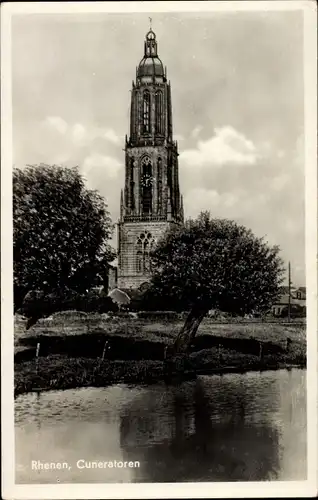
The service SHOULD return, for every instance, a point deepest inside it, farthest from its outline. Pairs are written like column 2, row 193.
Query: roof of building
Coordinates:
column 150, row 65
column 284, row 300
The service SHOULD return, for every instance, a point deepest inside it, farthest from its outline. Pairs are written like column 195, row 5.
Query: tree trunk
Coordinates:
column 188, row 331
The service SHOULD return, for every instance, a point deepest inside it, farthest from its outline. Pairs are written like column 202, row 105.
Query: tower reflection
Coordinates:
column 203, row 430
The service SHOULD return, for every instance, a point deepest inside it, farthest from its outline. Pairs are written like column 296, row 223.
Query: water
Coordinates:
column 235, row 427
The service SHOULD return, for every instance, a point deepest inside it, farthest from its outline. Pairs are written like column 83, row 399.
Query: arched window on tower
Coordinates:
column 146, row 186
column 146, row 112
column 159, row 112
column 145, row 244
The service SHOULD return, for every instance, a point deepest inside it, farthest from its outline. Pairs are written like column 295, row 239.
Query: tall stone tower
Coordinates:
column 150, row 201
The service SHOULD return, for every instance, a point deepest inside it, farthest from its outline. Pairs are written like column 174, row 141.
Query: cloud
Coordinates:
column 279, row 182
column 196, row 131
column 98, row 164
column 178, row 137
column 281, row 154
column 291, row 226
column 57, row 123
column 80, row 134
column 230, row 204
column 112, row 137
column 200, row 199
column 226, row 146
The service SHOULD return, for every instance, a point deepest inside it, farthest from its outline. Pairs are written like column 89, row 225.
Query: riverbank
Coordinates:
column 75, row 354
column 61, row 372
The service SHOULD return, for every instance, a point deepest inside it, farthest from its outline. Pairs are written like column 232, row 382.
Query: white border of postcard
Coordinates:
column 307, row 488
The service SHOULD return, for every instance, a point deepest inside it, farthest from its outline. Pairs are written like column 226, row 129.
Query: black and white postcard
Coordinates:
column 159, row 242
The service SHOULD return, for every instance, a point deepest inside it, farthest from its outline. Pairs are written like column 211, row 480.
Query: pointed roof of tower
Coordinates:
column 150, row 65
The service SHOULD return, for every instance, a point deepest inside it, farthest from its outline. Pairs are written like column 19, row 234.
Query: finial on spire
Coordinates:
column 150, row 22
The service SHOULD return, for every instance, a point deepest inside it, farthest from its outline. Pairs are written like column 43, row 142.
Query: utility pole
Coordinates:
column 289, row 291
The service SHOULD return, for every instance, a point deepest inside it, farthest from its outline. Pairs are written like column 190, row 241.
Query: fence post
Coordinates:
column 37, row 357
column 104, row 351
column 260, row 350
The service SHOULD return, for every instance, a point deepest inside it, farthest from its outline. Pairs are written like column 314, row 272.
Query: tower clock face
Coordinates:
column 147, row 180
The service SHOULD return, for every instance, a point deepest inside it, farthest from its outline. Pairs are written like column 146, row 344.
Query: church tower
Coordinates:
column 150, row 201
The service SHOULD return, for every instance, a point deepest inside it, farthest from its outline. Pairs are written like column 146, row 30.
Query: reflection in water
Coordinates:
column 211, row 437
column 234, row 427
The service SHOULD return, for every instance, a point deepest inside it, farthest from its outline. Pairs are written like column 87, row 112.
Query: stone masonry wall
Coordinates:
column 130, row 232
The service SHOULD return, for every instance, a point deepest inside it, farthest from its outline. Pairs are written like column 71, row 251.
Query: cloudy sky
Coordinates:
column 237, row 93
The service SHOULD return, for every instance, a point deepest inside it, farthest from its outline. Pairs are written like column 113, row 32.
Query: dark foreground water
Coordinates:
column 236, row 427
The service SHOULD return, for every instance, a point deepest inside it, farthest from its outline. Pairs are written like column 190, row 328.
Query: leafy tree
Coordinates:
column 153, row 300
column 60, row 232
column 215, row 263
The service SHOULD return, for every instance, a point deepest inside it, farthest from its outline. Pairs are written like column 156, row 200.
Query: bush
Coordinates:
column 38, row 305
column 93, row 302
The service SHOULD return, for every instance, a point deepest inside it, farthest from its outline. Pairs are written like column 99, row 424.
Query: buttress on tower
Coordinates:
column 150, row 202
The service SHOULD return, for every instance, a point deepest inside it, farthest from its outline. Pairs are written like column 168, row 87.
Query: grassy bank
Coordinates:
column 71, row 351
column 155, row 331
column 61, row 372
